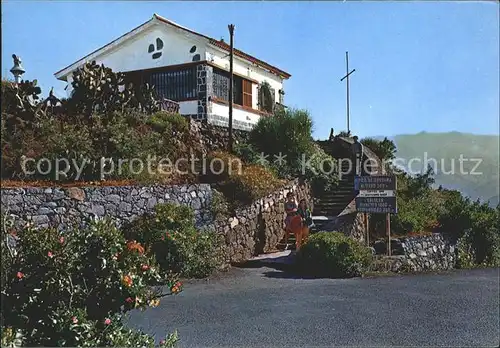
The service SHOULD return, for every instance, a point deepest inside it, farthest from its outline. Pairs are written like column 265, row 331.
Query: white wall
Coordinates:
column 238, row 114
column 133, row 54
column 246, row 69
column 189, row 107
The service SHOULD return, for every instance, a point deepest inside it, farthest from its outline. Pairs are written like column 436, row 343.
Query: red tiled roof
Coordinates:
column 227, row 48
column 243, row 55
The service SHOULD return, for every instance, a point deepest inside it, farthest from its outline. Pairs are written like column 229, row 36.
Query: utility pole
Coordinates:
column 231, row 81
column 347, row 83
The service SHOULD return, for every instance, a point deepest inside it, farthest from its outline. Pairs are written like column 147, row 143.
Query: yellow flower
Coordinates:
column 127, row 281
column 154, row 303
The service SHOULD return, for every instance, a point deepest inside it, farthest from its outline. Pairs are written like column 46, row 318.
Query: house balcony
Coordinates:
column 169, row 106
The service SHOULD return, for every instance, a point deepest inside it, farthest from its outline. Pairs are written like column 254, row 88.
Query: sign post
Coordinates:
column 377, row 195
column 388, row 230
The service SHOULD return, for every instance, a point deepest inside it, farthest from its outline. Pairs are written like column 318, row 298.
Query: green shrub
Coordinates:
column 62, row 287
column 170, row 123
column 332, row 254
column 219, row 206
column 246, row 152
column 476, row 224
column 221, row 166
column 254, row 182
column 289, row 134
column 178, row 246
column 322, row 171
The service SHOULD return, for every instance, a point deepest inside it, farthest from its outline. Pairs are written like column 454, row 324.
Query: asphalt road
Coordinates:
column 263, row 307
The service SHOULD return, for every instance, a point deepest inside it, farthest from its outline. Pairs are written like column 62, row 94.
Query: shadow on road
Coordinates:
column 287, row 274
column 282, row 268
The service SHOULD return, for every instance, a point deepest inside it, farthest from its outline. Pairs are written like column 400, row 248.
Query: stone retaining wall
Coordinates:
column 434, row 252
column 253, row 230
column 63, row 206
column 258, row 228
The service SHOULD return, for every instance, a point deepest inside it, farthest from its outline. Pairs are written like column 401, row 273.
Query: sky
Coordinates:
column 420, row 66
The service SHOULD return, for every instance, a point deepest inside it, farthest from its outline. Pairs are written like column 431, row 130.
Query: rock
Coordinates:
column 44, row 211
column 116, row 199
column 76, row 193
column 413, row 256
column 40, row 219
column 97, row 210
column 151, row 202
column 60, row 210
column 126, row 207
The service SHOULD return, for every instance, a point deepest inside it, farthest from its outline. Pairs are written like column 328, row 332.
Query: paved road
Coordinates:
column 264, row 307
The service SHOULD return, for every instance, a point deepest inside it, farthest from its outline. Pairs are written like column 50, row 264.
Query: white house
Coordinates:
column 191, row 69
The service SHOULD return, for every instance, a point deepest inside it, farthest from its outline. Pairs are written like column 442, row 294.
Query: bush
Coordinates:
column 178, row 246
column 70, row 288
column 163, row 122
column 221, row 166
column 322, row 171
column 239, row 183
column 289, row 134
column 246, row 152
column 101, row 119
column 255, row 182
column 219, row 206
column 332, row 254
column 477, row 226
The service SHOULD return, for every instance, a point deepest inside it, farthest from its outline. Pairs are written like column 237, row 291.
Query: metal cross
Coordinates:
column 342, row 79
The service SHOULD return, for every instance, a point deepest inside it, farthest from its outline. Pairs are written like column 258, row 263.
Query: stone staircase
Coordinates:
column 329, row 204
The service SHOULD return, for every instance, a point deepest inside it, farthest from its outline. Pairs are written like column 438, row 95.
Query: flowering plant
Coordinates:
column 68, row 287
column 178, row 246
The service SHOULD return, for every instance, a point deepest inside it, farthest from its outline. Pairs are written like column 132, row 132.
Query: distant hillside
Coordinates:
column 446, row 148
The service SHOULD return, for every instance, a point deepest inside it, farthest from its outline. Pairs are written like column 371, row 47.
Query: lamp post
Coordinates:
column 231, row 81
column 17, row 70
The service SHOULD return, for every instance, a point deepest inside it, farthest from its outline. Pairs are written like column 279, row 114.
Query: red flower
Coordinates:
column 107, row 321
column 49, row 254
column 75, row 320
column 133, row 245
column 20, row 275
column 162, row 238
column 129, row 300
column 145, row 267
column 167, row 234
column 61, row 240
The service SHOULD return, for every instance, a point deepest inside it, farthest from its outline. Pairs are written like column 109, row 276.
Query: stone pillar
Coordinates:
column 205, row 87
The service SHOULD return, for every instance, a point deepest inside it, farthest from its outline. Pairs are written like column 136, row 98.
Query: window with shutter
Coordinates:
column 247, row 93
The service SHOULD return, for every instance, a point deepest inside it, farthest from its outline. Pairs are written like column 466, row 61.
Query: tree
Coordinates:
column 385, row 149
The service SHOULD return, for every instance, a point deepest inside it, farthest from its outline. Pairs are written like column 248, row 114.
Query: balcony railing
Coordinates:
column 169, row 105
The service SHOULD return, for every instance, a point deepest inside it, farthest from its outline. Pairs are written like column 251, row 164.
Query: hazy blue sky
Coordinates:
column 419, row 66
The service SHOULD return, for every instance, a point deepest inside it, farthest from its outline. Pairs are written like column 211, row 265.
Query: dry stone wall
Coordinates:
column 254, row 229
column 424, row 253
column 61, row 207
column 258, row 228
